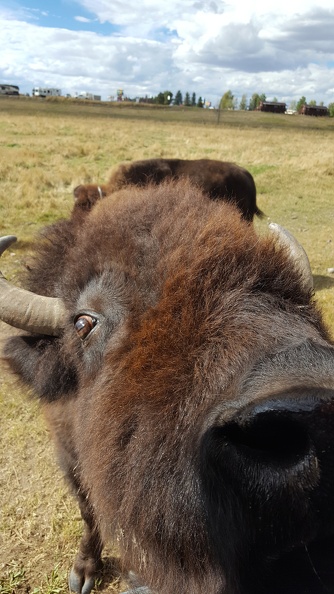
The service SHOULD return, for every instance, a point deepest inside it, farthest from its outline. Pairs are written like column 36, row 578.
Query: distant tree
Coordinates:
column 293, row 105
column 301, row 102
column 168, row 96
column 313, row 102
column 187, row 101
column 254, row 101
column 243, row 102
column 331, row 110
column 178, row 100
column 321, row 103
column 275, row 100
column 159, row 99
column 193, row 99
column 200, row 102
column 227, row 101
column 263, row 97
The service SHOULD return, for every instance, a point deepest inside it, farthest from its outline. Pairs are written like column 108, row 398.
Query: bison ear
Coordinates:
column 39, row 363
column 297, row 252
column 85, row 196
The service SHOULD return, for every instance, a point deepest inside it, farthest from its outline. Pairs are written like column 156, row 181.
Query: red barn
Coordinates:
column 314, row 110
column 272, row 106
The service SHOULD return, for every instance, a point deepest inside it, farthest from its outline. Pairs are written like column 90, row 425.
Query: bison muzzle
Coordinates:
column 188, row 380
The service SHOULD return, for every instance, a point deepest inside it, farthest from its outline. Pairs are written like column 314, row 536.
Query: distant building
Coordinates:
column 9, row 90
column 89, row 96
column 46, row 92
column 314, row 110
column 272, row 106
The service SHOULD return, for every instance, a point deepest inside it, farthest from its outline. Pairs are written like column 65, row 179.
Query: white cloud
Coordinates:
column 206, row 46
column 82, row 19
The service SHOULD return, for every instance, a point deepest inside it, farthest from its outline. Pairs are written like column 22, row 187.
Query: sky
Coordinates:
column 283, row 48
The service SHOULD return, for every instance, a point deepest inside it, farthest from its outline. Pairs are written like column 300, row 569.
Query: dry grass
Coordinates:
column 46, row 149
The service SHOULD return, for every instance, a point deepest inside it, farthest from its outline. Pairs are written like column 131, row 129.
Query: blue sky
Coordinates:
column 284, row 49
column 62, row 14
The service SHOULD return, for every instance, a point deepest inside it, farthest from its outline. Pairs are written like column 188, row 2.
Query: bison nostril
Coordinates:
column 270, row 437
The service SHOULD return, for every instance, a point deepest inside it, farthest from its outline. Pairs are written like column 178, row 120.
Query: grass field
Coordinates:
column 46, row 149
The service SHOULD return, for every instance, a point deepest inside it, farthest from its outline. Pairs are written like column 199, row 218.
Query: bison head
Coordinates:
column 189, row 386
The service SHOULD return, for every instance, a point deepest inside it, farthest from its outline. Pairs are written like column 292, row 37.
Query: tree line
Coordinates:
column 229, row 101
column 167, row 98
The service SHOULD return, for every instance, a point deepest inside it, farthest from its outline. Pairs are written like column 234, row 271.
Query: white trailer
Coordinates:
column 46, row 92
column 9, row 90
column 90, row 96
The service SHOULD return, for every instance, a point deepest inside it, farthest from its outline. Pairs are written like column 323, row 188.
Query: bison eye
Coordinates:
column 84, row 324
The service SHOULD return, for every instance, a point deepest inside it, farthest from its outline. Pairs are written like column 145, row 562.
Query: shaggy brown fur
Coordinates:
column 198, row 318
column 221, row 180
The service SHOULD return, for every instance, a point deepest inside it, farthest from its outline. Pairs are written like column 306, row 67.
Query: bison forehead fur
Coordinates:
column 189, row 301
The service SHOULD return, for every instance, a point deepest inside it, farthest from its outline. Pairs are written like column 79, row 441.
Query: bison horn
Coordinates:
column 297, row 252
column 28, row 311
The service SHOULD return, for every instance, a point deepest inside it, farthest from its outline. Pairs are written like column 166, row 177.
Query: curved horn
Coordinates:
column 297, row 252
column 6, row 241
column 28, row 311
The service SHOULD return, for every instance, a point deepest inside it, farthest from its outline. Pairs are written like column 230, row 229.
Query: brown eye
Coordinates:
column 83, row 325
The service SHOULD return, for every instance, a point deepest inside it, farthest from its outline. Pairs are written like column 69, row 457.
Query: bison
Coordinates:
column 221, row 180
column 188, row 381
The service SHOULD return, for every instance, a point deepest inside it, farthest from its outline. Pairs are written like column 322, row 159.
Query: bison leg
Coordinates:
column 87, row 563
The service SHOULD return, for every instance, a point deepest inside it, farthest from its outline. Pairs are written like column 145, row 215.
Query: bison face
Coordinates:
column 190, row 391
column 267, row 475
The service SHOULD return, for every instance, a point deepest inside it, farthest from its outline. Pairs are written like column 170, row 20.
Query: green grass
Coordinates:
column 12, row 579
column 46, row 149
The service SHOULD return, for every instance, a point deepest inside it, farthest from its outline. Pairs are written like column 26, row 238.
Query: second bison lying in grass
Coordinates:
column 220, row 180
